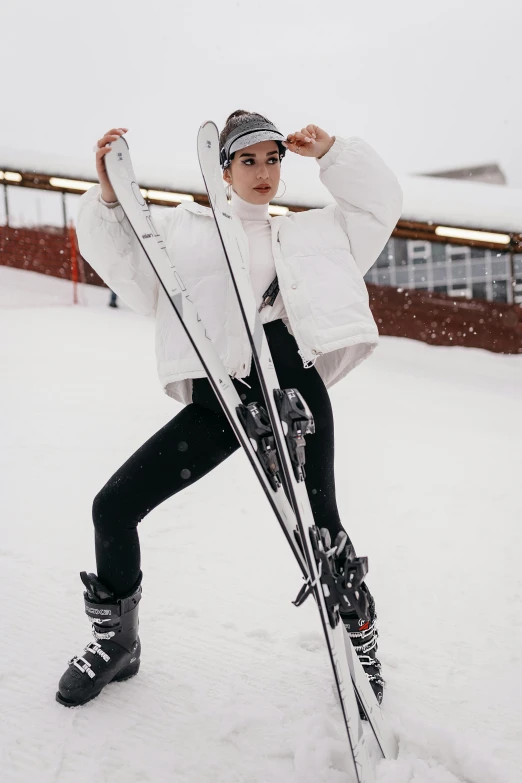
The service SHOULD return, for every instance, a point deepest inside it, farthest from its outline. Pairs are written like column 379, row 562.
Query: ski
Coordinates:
column 343, row 657
column 245, row 424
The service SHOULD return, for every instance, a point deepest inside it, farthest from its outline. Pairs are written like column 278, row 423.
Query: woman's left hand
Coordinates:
column 310, row 142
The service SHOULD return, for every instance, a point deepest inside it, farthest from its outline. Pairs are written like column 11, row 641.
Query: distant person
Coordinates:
column 320, row 316
column 113, row 301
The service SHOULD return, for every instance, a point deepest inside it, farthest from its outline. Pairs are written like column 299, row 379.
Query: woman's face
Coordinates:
column 254, row 172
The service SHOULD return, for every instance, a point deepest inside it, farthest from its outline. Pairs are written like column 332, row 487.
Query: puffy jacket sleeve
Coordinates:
column 368, row 196
column 107, row 241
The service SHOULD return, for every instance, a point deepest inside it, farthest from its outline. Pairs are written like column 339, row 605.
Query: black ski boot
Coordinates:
column 115, row 653
column 363, row 634
column 361, row 629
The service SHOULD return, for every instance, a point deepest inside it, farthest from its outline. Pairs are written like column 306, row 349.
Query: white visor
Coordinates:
column 254, row 138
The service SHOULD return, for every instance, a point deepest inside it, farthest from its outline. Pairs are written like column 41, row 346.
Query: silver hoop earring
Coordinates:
column 280, row 195
column 228, row 192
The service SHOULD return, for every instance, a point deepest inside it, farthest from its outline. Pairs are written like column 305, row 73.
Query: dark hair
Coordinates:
column 236, row 119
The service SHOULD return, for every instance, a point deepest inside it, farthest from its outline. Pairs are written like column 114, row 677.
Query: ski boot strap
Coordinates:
column 108, row 613
column 113, row 619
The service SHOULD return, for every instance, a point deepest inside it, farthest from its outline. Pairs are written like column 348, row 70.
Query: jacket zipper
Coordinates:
column 307, row 363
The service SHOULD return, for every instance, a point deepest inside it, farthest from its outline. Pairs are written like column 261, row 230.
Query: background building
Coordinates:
column 482, row 265
column 457, row 270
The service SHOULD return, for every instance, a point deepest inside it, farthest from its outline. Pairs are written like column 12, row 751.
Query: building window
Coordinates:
column 499, row 289
column 457, row 270
column 401, row 252
column 438, row 253
column 384, row 259
column 479, row 291
column 459, row 273
column 383, row 278
column 30, row 208
column 500, row 268
column 420, row 278
column 402, row 277
column 478, row 269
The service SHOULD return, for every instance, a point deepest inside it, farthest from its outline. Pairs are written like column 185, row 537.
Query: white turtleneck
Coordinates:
column 256, row 224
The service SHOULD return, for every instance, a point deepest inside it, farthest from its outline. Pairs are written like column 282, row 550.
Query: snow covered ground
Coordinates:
column 235, row 685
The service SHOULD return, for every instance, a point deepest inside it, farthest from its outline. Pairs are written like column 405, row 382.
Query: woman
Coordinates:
column 317, row 321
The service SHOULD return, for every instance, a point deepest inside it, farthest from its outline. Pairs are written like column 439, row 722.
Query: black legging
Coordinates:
column 191, row 445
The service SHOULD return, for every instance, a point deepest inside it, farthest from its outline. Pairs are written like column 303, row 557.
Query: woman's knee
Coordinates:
column 100, row 508
column 108, row 510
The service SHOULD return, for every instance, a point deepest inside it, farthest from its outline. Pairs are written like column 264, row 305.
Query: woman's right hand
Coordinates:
column 103, row 144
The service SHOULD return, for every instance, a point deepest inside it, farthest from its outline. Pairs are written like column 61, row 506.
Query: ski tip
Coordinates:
column 208, row 123
column 208, row 139
column 119, row 142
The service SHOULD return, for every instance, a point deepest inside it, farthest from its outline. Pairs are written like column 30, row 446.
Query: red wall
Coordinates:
column 41, row 250
column 442, row 320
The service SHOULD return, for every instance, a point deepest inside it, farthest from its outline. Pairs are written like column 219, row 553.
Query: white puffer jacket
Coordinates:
column 320, row 258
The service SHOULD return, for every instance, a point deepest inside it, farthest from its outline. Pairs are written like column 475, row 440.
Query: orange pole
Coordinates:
column 74, row 262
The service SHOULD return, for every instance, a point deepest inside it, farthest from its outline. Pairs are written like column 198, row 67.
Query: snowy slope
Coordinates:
column 235, row 684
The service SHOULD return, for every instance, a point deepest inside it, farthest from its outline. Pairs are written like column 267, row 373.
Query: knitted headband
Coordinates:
column 246, row 133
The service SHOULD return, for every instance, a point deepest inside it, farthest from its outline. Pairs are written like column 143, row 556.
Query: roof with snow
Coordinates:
column 473, row 205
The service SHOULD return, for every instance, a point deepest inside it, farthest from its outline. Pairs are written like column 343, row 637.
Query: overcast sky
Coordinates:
column 431, row 85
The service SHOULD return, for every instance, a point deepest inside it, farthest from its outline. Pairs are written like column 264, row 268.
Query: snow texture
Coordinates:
column 235, row 684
